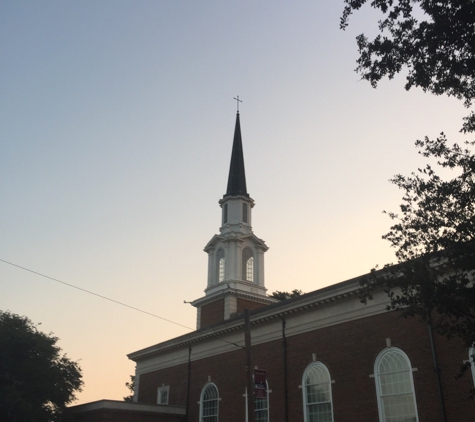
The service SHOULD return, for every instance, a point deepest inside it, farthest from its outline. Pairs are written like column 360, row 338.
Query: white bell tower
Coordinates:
column 236, row 254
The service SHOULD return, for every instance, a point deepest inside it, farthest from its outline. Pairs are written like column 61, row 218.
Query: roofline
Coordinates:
column 116, row 405
column 319, row 297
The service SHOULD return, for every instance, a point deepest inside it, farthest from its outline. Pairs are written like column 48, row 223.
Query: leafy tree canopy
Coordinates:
column 433, row 40
column 36, row 380
column 434, row 233
column 434, row 238
column 286, row 295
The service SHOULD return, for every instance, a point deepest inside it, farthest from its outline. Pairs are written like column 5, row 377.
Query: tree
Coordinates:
column 286, row 295
column 434, row 239
column 434, row 41
column 437, row 46
column 36, row 380
column 131, row 386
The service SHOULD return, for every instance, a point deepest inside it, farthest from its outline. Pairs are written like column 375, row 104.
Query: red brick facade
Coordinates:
column 212, row 313
column 348, row 350
column 243, row 304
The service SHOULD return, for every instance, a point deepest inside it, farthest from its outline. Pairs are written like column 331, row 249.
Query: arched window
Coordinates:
column 248, row 265
column 261, row 407
column 471, row 357
column 395, row 386
column 221, row 265
column 209, row 403
column 317, row 393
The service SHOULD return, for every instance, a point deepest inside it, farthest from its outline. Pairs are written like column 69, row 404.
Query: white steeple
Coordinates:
column 236, row 255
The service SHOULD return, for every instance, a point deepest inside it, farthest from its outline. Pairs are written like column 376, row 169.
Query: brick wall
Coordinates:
column 212, row 313
column 243, row 304
column 451, row 356
column 349, row 351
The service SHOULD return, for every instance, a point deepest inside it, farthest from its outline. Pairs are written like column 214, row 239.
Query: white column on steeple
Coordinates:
column 239, row 275
column 236, row 220
column 230, row 306
column 211, row 266
column 260, row 267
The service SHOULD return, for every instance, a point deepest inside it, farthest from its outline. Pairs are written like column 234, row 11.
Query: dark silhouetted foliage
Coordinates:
column 434, row 238
column 434, row 235
column 286, row 295
column 433, row 40
column 131, row 386
column 36, row 381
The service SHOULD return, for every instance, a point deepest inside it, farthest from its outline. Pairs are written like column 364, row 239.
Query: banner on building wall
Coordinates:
column 260, row 385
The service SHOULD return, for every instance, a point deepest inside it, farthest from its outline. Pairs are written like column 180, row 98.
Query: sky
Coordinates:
column 116, row 127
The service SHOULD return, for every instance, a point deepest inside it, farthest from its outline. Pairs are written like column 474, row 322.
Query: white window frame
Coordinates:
column 162, row 391
column 306, row 405
column 377, row 378
column 221, row 258
column 209, row 418
column 267, row 400
column 471, row 358
column 248, row 264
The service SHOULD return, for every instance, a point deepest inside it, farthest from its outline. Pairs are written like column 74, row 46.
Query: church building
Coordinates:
column 320, row 357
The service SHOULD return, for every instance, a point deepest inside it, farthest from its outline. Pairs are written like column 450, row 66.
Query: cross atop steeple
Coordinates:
column 238, row 101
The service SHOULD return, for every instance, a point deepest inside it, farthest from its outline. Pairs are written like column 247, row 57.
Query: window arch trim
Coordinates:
column 221, row 267
column 317, row 369
column 378, row 375
column 209, row 407
column 248, row 267
column 471, row 358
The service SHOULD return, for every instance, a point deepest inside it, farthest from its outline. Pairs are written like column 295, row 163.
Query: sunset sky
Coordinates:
column 116, row 126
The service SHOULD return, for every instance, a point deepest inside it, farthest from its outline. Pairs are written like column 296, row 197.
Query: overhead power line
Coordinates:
column 96, row 294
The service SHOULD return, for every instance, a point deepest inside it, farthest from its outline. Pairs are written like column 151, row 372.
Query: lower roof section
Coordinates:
column 121, row 411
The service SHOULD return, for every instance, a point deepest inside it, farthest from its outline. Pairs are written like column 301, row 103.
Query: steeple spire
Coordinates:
column 236, row 254
column 237, row 175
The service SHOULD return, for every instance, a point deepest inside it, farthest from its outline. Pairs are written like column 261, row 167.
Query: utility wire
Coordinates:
column 110, row 300
column 96, row 294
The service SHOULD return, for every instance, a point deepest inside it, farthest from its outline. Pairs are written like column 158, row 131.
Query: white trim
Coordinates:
column 207, row 385
column 377, row 379
column 471, row 357
column 305, row 314
column 304, row 387
column 248, row 266
column 135, row 399
column 160, row 391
